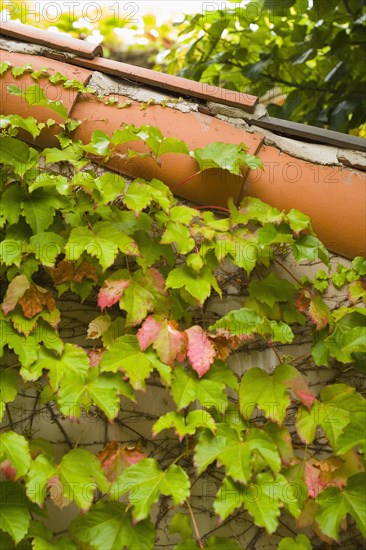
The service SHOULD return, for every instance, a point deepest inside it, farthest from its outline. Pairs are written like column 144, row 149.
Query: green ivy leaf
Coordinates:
column 228, row 498
column 145, row 481
column 300, row 542
column 180, row 235
column 10, row 205
column 80, row 474
column 269, row 392
column 184, row 425
column 241, row 246
column 14, row 513
column 11, row 252
column 19, row 71
column 151, row 251
column 125, row 355
column 340, row 405
column 341, row 399
column 298, row 221
column 72, row 360
column 103, row 391
column 227, row 156
column 39, row 209
column 28, row 124
column 17, row 154
column 60, row 183
column 4, row 66
column 245, row 322
column 46, row 246
column 237, row 453
column 272, row 289
column 79, row 471
column 26, row 348
column 187, row 387
column 221, row 372
column 110, row 187
column 15, row 449
column 197, row 284
column 42, row 469
column 139, row 195
column 35, row 96
column 272, row 234
column 103, row 242
column 334, row 505
column 252, row 208
column 72, row 154
column 108, row 525
column 99, row 144
column 181, row 523
column 8, row 388
column 309, row 248
column 263, row 499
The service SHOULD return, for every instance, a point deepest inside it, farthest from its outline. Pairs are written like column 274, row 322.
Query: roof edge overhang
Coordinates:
column 333, row 193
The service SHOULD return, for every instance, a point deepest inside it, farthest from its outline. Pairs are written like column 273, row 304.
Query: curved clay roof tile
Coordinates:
column 55, row 40
column 333, row 195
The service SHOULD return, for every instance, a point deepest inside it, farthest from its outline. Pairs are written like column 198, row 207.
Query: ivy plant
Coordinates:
column 148, row 265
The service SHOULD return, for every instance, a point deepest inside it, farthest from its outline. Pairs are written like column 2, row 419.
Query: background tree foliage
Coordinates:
column 304, row 55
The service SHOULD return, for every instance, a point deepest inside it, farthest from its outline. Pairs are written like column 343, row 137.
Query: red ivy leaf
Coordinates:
column 34, row 299
column 332, row 471
column 301, row 389
column 111, row 292
column 149, row 332
column 95, row 357
column 312, row 479
column 169, row 343
column 200, row 352
column 115, row 459
column 7, row 469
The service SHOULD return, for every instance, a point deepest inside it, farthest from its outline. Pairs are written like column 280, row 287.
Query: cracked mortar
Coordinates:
column 107, row 85
column 316, row 153
column 32, row 49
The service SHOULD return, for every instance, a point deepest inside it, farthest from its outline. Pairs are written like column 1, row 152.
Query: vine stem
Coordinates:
column 189, row 178
column 213, row 207
column 276, row 354
column 199, row 540
column 187, row 452
column 289, row 272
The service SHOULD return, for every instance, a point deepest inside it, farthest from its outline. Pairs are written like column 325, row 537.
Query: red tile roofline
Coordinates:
column 54, row 40
column 87, row 57
column 334, row 196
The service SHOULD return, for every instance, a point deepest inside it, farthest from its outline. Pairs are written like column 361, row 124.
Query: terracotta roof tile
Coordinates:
column 196, row 129
column 334, row 195
column 57, row 41
column 170, row 82
column 13, row 104
column 87, row 57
